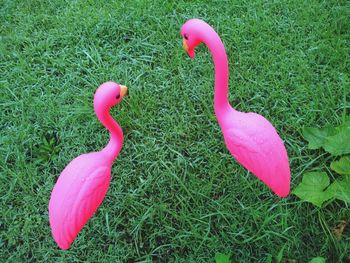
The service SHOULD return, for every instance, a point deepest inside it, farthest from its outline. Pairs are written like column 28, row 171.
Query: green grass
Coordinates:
column 176, row 193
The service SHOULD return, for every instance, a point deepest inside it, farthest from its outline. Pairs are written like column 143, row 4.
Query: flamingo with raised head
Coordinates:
column 83, row 184
column 249, row 137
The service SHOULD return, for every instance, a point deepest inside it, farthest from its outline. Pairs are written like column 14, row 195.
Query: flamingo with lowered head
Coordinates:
column 249, row 137
column 83, row 184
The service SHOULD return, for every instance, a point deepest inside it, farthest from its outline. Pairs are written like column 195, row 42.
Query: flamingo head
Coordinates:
column 109, row 94
column 191, row 33
column 191, row 36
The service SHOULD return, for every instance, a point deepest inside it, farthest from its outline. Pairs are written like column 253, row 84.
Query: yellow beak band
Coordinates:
column 185, row 45
column 123, row 90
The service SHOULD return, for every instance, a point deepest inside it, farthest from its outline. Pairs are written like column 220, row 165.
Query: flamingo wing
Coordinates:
column 263, row 154
column 73, row 203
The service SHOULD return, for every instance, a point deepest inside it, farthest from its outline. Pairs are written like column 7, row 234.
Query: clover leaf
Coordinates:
column 318, row 260
column 339, row 143
column 316, row 137
column 341, row 189
column 342, row 166
column 222, row 258
column 312, row 188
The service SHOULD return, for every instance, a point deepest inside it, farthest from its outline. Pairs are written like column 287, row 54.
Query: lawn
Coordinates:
column 176, row 194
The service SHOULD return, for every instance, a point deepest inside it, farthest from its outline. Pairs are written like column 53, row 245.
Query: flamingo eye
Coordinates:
column 185, row 36
column 118, row 96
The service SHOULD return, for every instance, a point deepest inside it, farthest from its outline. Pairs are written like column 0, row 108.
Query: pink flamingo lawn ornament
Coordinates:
column 84, row 182
column 249, row 137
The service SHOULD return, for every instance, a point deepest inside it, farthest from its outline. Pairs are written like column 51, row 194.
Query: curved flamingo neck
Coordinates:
column 115, row 143
column 212, row 40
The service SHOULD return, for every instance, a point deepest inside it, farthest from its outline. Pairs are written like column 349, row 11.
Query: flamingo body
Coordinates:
column 249, row 137
column 77, row 194
column 83, row 184
column 254, row 143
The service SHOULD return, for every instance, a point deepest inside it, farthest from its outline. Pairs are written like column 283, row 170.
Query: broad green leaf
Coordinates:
column 318, row 260
column 268, row 259
column 311, row 188
column 342, row 166
column 222, row 258
column 339, row 143
column 316, row 137
column 341, row 189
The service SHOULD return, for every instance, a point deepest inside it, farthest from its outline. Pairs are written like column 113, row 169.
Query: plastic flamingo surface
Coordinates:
column 249, row 137
column 83, row 184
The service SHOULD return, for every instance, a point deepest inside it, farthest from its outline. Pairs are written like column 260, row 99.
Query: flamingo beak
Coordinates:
column 185, row 45
column 189, row 52
column 123, row 90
